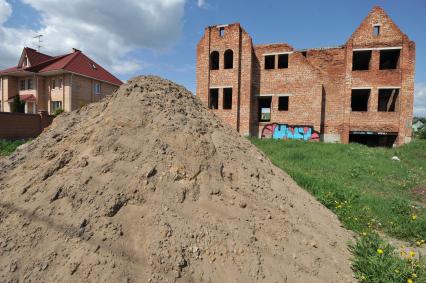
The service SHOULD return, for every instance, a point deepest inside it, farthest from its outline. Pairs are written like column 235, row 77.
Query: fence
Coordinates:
column 15, row 126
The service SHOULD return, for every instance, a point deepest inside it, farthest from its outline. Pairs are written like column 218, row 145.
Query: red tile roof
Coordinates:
column 36, row 57
column 27, row 97
column 9, row 70
column 76, row 62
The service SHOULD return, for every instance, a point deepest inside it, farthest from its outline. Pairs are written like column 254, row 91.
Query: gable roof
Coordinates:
column 34, row 56
column 75, row 62
column 390, row 33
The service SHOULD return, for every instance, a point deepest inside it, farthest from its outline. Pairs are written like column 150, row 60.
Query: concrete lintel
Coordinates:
column 220, row 86
column 276, row 94
column 278, row 53
column 377, row 48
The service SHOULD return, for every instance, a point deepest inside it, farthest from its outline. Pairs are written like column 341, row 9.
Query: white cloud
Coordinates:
column 106, row 30
column 420, row 100
column 5, row 11
column 201, row 3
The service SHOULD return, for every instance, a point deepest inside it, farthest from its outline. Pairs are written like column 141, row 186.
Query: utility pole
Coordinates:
column 39, row 46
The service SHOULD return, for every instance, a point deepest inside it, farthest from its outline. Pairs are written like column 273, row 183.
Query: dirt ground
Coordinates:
column 149, row 186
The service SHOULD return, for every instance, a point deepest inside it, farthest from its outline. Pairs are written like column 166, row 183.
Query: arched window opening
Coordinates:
column 229, row 59
column 214, row 60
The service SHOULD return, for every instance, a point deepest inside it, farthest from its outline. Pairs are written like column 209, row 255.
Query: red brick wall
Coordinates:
column 320, row 84
column 22, row 126
column 300, row 81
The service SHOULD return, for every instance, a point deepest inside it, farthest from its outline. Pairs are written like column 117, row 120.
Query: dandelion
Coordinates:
column 414, row 275
column 414, row 217
column 364, row 234
column 412, row 254
column 409, row 280
column 379, row 251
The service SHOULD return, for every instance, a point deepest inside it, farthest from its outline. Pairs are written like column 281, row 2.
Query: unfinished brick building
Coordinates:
column 361, row 91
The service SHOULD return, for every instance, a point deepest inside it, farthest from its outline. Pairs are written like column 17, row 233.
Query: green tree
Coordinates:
column 18, row 106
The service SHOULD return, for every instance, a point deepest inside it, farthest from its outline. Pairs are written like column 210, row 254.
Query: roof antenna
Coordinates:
column 39, row 46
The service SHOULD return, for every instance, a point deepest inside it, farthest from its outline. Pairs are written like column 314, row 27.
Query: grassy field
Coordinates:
column 371, row 194
column 7, row 147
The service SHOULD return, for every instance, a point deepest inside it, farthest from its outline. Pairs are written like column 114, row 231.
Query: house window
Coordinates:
column 359, row 99
column 56, row 105
column 22, row 85
column 361, row 60
column 214, row 98
column 282, row 61
column 26, row 62
column 228, row 59
column 283, row 103
column 53, row 84
column 389, row 59
column 214, row 60
column 269, row 62
column 97, row 87
column 376, row 30
column 388, row 100
column 227, row 98
column 30, row 84
column 265, row 109
column 222, row 31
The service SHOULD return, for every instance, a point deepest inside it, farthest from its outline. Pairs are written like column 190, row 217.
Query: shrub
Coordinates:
column 18, row 105
column 422, row 133
column 58, row 112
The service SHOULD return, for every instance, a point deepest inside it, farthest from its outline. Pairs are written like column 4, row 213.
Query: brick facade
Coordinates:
column 314, row 93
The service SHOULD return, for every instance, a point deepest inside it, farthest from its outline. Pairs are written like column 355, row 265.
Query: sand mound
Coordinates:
column 149, row 186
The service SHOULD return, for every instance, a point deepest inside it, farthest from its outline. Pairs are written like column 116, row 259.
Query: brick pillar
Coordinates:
column 44, row 120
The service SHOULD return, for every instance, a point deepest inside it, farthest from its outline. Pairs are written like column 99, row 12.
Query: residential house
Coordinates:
column 418, row 125
column 49, row 83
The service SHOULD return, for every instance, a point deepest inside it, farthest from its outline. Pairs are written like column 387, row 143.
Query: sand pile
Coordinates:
column 149, row 186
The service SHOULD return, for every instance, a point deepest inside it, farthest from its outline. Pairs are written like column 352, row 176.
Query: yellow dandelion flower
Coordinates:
column 414, row 217
column 412, row 253
column 409, row 280
column 414, row 275
column 379, row 251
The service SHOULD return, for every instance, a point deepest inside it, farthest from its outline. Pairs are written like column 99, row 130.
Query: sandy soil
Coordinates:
column 149, row 186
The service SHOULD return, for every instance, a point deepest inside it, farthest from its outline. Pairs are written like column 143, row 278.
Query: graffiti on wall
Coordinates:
column 287, row 132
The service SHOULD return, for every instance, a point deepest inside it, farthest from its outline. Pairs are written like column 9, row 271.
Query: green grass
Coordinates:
column 367, row 190
column 7, row 147
column 377, row 261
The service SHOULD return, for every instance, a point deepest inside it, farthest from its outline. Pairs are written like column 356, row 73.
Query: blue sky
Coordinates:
column 162, row 38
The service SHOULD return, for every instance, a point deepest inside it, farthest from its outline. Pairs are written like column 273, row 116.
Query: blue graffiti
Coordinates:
column 284, row 131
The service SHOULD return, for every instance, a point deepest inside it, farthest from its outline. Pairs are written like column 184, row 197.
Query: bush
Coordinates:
column 18, row 106
column 422, row 133
column 58, row 112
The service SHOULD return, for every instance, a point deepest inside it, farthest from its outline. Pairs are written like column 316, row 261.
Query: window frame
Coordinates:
column 286, row 55
column 59, row 102
column 97, row 88
column 226, row 106
column 288, row 103
column 265, row 58
column 30, row 86
column 210, row 99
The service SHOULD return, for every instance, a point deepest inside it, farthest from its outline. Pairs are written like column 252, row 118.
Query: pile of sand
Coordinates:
column 149, row 186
